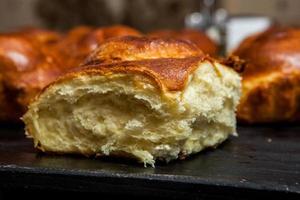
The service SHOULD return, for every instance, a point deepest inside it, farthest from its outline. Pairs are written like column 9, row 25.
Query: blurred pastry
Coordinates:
column 81, row 41
column 271, row 81
column 43, row 36
column 145, row 98
column 195, row 36
column 32, row 58
column 26, row 66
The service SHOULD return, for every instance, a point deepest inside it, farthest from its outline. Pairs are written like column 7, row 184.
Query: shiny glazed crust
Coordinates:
column 167, row 61
column 271, row 80
column 140, row 48
column 27, row 65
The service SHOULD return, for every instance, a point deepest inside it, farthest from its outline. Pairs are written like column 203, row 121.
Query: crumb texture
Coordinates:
column 127, row 114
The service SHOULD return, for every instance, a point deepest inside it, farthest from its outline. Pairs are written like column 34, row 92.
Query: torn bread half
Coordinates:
column 129, row 100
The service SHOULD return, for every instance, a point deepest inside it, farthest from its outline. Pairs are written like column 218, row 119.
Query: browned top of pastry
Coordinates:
column 169, row 73
column 277, row 49
column 197, row 37
column 167, row 61
column 140, row 48
column 272, row 76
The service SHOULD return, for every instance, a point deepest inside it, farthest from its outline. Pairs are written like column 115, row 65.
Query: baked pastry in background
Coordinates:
column 139, row 97
column 195, row 36
column 46, row 37
column 80, row 41
column 32, row 58
column 271, row 81
column 26, row 66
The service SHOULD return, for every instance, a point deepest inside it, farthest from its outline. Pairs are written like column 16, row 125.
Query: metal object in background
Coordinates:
column 227, row 31
column 210, row 20
column 203, row 19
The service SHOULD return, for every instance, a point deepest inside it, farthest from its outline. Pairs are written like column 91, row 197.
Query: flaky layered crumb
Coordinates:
column 128, row 114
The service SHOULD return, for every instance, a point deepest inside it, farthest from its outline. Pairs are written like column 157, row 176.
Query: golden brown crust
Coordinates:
column 197, row 37
column 20, row 55
column 273, row 50
column 271, row 80
column 169, row 73
column 273, row 101
column 167, row 61
column 139, row 48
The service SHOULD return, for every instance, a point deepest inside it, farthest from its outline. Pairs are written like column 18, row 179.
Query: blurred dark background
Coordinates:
column 142, row 14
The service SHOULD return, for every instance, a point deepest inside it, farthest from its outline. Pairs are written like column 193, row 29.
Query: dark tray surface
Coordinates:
column 261, row 160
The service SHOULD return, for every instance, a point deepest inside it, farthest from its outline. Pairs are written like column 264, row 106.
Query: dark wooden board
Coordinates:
column 262, row 161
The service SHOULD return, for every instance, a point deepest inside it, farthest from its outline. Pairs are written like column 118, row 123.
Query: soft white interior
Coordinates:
column 128, row 114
